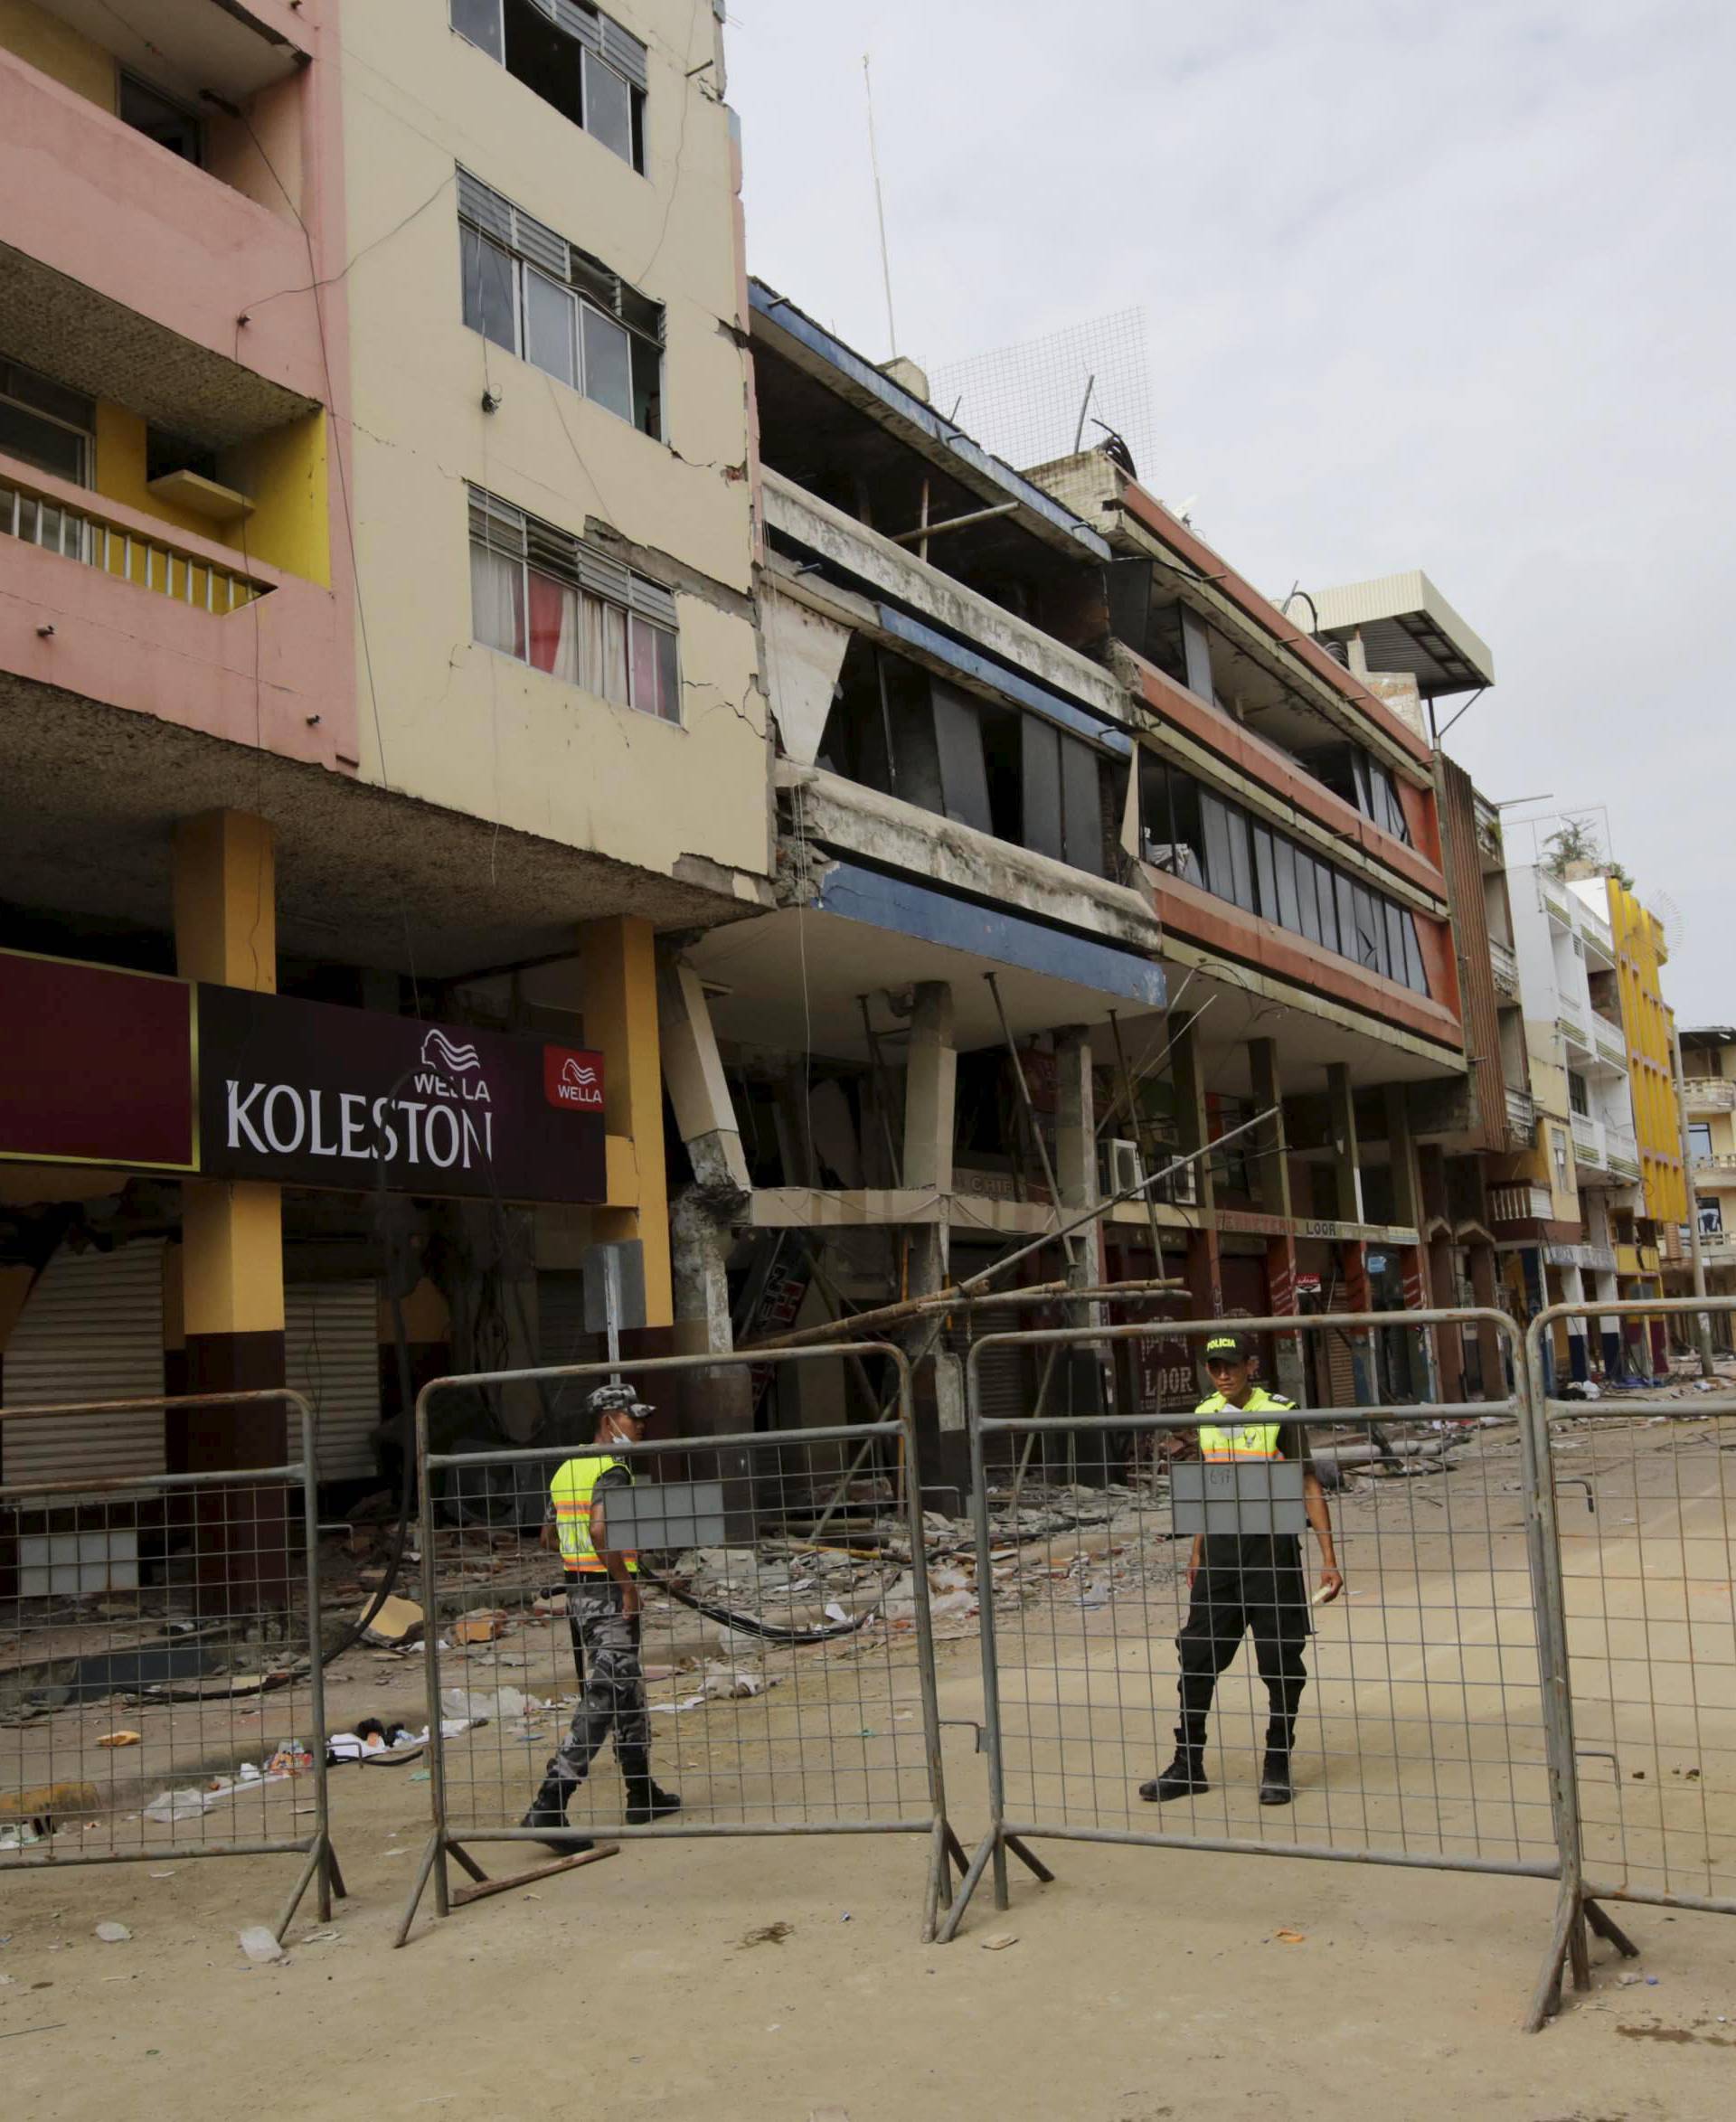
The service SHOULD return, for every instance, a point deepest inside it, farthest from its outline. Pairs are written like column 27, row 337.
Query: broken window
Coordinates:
column 531, row 291
column 552, row 601
column 576, row 58
column 1193, row 833
column 896, row 727
column 1361, row 781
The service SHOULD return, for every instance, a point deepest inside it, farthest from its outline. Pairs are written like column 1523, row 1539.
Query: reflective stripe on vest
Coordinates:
column 571, row 1491
column 1246, row 1440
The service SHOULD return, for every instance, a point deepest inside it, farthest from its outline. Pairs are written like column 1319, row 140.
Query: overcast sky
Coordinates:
column 1430, row 287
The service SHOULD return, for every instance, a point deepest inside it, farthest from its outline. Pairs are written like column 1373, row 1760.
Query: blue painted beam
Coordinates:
column 857, row 893
column 1009, row 683
column 780, row 310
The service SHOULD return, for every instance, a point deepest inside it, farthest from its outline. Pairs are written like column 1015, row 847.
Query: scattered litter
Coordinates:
column 997, row 1941
column 159, row 1874
column 114, row 1933
column 485, row 1626
column 399, row 1620
column 1629, row 1981
column 258, row 1943
column 1651, row 1982
column 768, row 1934
column 112, row 1738
column 19, row 1837
column 1292, row 1937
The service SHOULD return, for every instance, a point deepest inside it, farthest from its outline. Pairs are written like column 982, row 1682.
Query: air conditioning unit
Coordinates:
column 1122, row 1169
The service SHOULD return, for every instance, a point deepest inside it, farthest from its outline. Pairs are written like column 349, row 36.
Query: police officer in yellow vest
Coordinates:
column 603, row 1603
column 1240, row 1582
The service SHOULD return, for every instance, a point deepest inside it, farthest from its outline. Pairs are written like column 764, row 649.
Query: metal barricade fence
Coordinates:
column 1643, row 1484
column 161, row 1675
column 784, row 1639
column 1426, row 1729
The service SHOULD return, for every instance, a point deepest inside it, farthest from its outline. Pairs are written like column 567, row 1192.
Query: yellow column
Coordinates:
column 232, row 1255
column 618, row 958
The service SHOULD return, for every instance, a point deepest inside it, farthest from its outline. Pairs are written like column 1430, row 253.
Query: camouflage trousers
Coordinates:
column 612, row 1699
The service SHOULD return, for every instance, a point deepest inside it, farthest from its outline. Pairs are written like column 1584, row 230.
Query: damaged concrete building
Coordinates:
column 1087, row 858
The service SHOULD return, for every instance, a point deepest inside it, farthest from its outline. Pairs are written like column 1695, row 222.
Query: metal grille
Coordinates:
column 789, row 1691
column 1028, row 402
column 91, row 1329
column 161, row 1685
column 332, row 1356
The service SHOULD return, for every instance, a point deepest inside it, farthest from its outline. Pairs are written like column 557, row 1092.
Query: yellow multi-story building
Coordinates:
column 1641, row 954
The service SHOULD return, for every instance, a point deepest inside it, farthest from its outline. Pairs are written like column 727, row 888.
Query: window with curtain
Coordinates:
column 532, row 292
column 551, row 600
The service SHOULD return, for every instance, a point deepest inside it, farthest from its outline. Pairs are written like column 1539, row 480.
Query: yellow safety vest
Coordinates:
column 1247, row 1440
column 571, row 1492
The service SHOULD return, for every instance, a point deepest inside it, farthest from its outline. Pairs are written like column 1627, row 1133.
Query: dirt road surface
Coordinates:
column 1144, row 1984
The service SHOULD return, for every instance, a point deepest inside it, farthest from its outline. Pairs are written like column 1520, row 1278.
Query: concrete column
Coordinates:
column 1346, row 1174
column 231, row 1251
column 1271, row 1176
column 1202, row 1268
column 618, row 966
column 930, row 1084
column 1076, row 1143
column 1450, row 1342
column 1359, row 1297
column 1491, row 1344
column 692, row 1074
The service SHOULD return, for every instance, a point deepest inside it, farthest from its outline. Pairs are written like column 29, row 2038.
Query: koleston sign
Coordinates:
column 223, row 1083
column 318, row 1096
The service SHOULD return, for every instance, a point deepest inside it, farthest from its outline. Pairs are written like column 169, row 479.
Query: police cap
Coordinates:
column 1234, row 1348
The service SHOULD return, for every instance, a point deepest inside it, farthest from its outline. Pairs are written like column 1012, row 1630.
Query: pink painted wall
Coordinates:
column 108, row 208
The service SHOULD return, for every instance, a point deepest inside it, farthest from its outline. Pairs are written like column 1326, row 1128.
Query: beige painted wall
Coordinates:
column 463, row 726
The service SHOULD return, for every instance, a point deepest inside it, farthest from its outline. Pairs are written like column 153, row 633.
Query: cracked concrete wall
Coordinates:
column 458, row 724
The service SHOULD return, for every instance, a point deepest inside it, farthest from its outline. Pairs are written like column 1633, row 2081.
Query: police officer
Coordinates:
column 603, row 1605
column 1239, row 1583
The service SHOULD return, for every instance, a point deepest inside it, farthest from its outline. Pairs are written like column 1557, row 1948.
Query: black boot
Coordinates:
column 1184, row 1777
column 549, row 1810
column 646, row 1802
column 1275, row 1788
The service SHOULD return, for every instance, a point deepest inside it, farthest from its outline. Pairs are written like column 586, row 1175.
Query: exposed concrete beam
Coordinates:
column 692, row 1074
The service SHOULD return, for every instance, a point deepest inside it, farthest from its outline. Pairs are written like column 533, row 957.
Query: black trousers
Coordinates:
column 1235, row 1596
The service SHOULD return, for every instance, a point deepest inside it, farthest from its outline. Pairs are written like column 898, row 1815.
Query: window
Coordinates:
column 574, row 57
column 160, row 119
column 1700, row 1141
column 538, row 295
column 549, row 599
column 44, row 425
column 1191, row 832
column 1577, row 1095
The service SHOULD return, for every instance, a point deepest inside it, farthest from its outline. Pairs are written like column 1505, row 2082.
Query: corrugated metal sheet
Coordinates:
column 332, row 1353
column 92, row 1329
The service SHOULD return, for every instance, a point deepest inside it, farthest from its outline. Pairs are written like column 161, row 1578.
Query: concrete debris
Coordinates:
column 258, row 1943
column 114, row 1933
column 399, row 1620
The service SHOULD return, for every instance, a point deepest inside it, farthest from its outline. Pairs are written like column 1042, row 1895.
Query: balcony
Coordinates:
column 33, row 509
column 1595, row 934
column 1590, row 1146
column 1610, row 1041
column 1718, row 1169
column 234, row 48
column 117, row 609
column 1521, row 1114
column 1570, row 1021
column 1518, row 1203
column 1710, row 1094
column 1506, row 968
column 123, row 270
column 1557, row 903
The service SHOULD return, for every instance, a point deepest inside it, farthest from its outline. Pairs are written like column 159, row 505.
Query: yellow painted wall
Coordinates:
column 283, row 472
column 1648, row 1023
column 42, row 40
column 463, row 726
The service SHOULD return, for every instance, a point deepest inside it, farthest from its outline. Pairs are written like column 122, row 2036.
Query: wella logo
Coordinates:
column 451, row 1070
column 572, row 1079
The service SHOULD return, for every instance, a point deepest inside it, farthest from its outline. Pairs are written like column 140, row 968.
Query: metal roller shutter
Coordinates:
column 92, row 1329
column 332, row 1353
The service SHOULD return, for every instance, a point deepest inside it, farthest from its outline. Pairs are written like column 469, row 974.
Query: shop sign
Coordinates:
column 312, row 1094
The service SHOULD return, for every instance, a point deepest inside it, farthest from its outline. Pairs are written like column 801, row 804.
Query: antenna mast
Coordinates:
column 879, row 204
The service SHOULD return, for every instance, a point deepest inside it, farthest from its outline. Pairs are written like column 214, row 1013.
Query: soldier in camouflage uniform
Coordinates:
column 603, row 1605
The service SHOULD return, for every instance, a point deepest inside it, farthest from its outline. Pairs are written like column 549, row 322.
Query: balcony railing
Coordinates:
column 1589, row 1144
column 1519, row 1204
column 1710, row 1094
column 1522, row 1113
column 1715, row 1164
column 1555, row 900
column 1570, row 1021
column 1609, row 1040
column 159, row 564
column 1505, row 968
